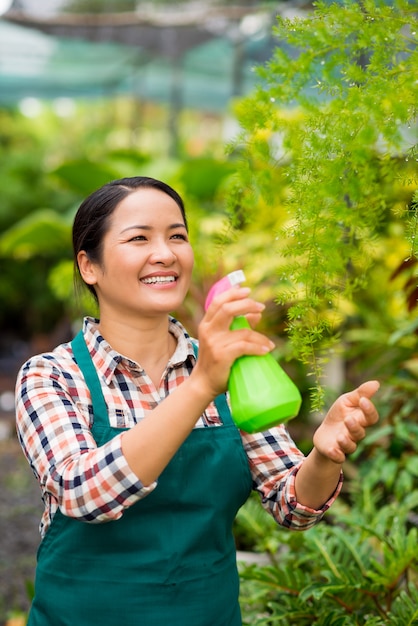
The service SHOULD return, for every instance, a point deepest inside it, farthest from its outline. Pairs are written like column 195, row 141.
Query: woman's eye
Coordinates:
column 179, row 236
column 138, row 238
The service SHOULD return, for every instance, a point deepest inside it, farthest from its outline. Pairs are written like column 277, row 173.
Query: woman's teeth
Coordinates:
column 158, row 279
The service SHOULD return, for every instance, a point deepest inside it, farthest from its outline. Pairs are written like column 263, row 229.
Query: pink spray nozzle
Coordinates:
column 232, row 279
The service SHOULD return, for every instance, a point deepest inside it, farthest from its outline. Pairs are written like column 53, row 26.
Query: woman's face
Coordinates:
column 147, row 259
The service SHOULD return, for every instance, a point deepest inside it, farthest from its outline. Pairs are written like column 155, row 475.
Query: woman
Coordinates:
column 141, row 469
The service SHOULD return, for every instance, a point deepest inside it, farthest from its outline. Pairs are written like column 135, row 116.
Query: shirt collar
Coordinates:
column 106, row 359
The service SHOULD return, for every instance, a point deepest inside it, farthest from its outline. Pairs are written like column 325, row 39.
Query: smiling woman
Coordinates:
column 126, row 425
column 141, row 269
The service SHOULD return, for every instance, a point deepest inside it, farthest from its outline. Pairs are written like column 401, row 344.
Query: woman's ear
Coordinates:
column 87, row 269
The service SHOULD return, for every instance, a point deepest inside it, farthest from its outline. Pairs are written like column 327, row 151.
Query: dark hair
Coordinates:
column 92, row 218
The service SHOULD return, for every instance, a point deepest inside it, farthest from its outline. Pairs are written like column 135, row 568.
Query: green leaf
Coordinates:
column 85, row 176
column 43, row 233
column 202, row 177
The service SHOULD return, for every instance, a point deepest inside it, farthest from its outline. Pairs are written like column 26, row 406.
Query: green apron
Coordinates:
column 170, row 560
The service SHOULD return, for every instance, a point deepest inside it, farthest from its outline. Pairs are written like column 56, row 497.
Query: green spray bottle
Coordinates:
column 260, row 392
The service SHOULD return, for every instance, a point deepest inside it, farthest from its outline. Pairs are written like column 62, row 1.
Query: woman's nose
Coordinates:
column 162, row 253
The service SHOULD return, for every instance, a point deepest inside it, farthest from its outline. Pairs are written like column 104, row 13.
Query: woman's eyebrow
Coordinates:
column 146, row 227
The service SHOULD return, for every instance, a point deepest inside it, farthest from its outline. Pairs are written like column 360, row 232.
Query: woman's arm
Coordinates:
column 96, row 483
column 150, row 445
column 343, row 427
column 84, row 481
column 297, row 490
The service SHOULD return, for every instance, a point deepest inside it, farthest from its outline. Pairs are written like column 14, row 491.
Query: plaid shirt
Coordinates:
column 95, row 484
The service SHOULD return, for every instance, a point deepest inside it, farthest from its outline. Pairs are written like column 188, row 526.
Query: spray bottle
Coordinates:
column 260, row 392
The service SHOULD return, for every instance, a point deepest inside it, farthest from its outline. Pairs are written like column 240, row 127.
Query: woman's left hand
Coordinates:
column 346, row 422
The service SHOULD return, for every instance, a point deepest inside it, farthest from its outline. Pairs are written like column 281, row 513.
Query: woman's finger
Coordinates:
column 355, row 427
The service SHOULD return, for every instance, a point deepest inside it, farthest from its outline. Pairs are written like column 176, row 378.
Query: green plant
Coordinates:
column 331, row 575
column 331, row 126
column 329, row 130
column 358, row 566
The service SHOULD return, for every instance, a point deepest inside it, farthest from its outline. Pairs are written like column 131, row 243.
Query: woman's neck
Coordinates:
column 147, row 342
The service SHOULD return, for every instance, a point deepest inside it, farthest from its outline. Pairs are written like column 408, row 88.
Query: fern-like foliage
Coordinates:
column 359, row 566
column 338, row 573
column 332, row 124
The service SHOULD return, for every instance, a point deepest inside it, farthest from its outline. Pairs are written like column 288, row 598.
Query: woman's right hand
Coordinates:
column 219, row 346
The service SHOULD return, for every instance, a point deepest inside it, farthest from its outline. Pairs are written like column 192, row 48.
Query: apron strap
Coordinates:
column 85, row 363
column 220, row 401
column 100, row 411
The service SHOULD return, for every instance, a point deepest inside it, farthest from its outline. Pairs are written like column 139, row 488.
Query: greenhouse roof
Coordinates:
column 200, row 57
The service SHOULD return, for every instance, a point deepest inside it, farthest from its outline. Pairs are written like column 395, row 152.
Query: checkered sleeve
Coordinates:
column 274, row 461
column 84, row 481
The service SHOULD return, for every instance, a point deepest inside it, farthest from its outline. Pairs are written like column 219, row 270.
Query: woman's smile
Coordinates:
column 159, row 280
